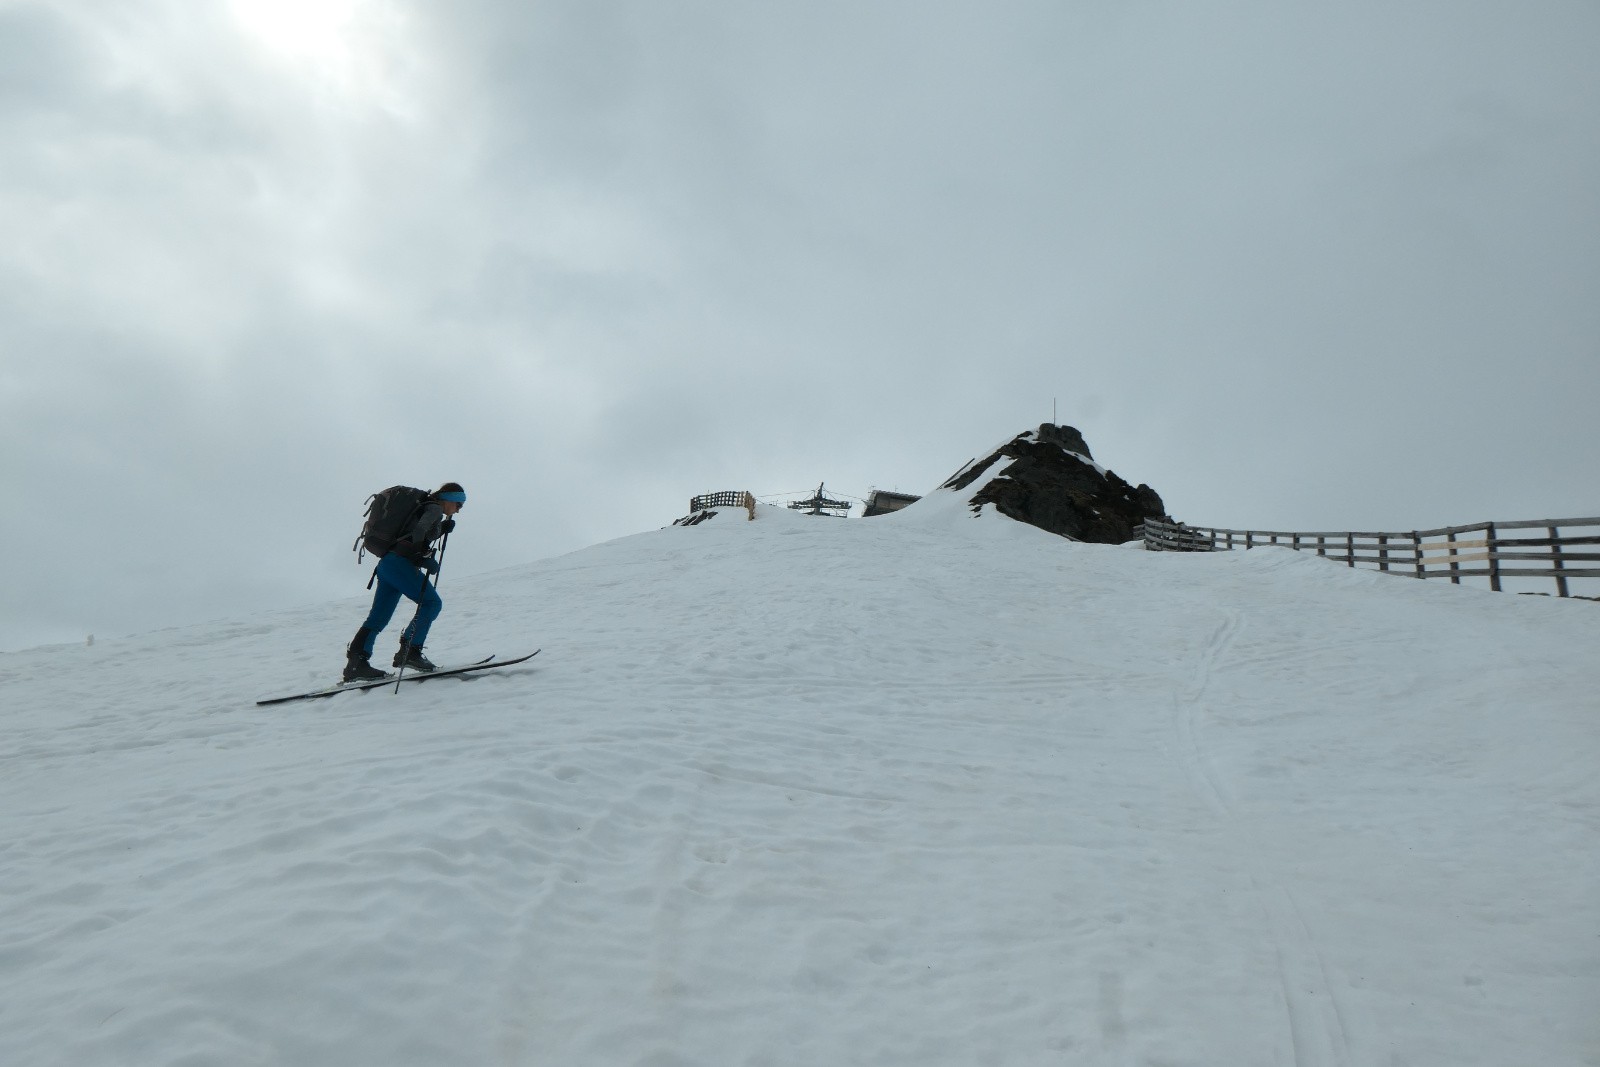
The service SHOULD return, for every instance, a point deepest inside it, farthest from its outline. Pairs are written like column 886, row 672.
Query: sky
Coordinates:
column 1319, row 266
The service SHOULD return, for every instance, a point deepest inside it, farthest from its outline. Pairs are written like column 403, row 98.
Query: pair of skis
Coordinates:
column 488, row 663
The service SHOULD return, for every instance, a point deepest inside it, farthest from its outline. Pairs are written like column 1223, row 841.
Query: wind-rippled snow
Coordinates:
column 917, row 790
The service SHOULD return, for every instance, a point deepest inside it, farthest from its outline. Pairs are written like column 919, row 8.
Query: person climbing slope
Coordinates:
column 402, row 525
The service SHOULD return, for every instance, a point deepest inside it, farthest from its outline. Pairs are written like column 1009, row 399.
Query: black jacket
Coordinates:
column 418, row 542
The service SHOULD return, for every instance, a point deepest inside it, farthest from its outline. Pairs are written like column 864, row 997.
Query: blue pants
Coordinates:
column 397, row 577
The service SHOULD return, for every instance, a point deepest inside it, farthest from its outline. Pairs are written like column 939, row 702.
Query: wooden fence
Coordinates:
column 707, row 501
column 1499, row 551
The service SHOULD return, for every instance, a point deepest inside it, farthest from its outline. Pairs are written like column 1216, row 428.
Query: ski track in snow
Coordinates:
column 919, row 790
column 1316, row 1029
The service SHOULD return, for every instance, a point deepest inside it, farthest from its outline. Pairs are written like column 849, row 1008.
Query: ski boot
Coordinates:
column 357, row 667
column 411, row 658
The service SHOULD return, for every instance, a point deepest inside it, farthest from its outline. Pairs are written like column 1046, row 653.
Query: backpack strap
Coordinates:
column 357, row 547
column 410, row 525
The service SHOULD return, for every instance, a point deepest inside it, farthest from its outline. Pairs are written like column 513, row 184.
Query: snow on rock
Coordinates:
column 1048, row 478
column 910, row 791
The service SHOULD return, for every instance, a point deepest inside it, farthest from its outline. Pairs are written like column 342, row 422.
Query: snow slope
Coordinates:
column 921, row 789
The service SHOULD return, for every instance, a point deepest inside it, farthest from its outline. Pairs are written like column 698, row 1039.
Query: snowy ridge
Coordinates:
column 909, row 790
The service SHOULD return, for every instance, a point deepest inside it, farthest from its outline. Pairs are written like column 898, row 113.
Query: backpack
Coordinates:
column 390, row 516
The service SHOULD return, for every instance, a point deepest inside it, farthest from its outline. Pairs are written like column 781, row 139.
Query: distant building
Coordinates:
column 881, row 502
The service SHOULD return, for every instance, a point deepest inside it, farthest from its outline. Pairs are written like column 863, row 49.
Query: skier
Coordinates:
column 403, row 571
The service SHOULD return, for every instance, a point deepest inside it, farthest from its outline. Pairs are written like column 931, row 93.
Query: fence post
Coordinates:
column 1416, row 547
column 1249, row 539
column 1555, row 552
column 1455, row 568
column 1322, row 545
column 1383, row 552
column 1494, row 556
column 1350, row 548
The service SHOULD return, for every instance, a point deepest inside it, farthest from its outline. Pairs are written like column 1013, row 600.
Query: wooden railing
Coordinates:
column 699, row 505
column 1535, row 549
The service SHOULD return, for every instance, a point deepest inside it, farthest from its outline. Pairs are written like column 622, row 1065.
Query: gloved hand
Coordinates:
column 429, row 564
column 447, row 525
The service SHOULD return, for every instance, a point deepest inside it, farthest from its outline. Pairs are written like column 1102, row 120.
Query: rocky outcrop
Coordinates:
column 1048, row 478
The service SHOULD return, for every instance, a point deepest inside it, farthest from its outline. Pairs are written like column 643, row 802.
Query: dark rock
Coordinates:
column 1048, row 478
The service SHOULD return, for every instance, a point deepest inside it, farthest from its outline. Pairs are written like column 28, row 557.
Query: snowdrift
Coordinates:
column 920, row 789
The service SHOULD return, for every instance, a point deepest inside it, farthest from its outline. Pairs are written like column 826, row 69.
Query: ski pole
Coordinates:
column 405, row 649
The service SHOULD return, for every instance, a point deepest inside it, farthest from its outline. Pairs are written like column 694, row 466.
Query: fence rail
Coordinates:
column 1482, row 550
column 698, row 505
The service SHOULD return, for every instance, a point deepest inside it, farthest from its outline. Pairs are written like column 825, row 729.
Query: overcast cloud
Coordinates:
column 1308, row 266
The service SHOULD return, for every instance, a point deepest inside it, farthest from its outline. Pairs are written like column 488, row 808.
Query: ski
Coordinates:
column 485, row 664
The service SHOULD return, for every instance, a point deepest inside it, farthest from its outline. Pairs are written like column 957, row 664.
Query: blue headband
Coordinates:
column 453, row 497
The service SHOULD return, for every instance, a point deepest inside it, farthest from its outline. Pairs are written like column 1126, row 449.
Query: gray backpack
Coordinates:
column 390, row 516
